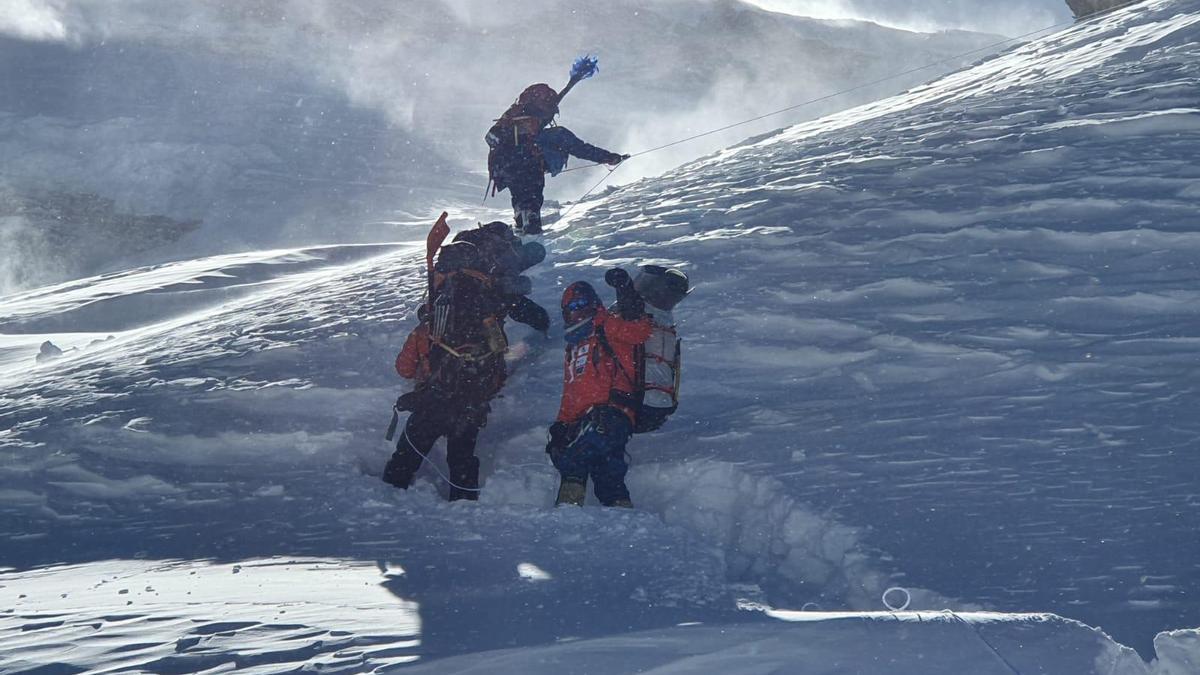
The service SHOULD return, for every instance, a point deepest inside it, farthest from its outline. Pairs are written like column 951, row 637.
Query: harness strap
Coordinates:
column 464, row 355
column 612, row 354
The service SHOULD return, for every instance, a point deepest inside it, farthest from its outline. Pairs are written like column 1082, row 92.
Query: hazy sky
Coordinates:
column 40, row 19
column 1011, row 17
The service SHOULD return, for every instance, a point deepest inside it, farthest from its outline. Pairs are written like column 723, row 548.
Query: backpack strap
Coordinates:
column 629, row 400
column 466, row 352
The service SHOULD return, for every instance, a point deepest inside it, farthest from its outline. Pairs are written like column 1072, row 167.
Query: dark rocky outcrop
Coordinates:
column 52, row 235
column 1086, row 8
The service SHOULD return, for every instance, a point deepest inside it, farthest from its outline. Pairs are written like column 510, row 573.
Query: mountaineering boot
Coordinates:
column 622, row 504
column 457, row 494
column 528, row 221
column 397, row 473
column 571, row 492
column 396, row 479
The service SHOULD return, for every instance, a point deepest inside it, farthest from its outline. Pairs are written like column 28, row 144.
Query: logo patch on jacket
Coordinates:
column 579, row 360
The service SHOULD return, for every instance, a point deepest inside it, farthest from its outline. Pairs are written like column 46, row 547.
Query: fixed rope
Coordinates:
column 992, row 648
column 827, row 97
column 864, row 85
column 584, row 196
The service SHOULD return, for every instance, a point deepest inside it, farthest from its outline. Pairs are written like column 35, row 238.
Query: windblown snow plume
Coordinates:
column 1012, row 17
column 38, row 20
column 312, row 122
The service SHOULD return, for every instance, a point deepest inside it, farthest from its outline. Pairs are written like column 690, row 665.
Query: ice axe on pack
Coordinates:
column 433, row 242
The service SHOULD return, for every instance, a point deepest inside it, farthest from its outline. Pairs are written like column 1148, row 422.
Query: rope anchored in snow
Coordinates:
column 992, row 648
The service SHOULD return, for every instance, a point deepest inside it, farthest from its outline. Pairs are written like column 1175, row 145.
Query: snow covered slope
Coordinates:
column 965, row 315
column 942, row 342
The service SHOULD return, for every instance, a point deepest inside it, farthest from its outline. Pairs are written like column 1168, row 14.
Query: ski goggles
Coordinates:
column 577, row 304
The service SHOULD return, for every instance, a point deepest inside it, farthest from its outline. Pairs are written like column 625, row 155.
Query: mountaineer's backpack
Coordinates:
column 655, row 377
column 661, row 289
column 466, row 326
column 657, row 360
column 512, row 140
column 456, row 351
column 502, row 255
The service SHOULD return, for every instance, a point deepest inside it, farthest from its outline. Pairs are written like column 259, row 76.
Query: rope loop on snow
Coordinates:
column 899, row 589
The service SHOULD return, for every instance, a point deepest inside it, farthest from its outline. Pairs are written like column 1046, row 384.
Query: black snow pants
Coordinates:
column 460, row 424
column 526, row 186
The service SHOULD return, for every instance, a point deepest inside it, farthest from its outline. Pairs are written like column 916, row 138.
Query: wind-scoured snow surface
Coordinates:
column 944, row 342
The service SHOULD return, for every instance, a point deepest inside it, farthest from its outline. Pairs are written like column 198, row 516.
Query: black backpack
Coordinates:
column 512, row 146
column 466, row 326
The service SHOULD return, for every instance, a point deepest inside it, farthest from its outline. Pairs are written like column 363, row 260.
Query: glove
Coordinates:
column 558, row 438
column 529, row 313
column 617, row 278
column 616, row 159
column 540, row 320
column 630, row 305
column 516, row 285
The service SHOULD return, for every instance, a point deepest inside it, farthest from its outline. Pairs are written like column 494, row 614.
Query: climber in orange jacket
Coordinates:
column 598, row 409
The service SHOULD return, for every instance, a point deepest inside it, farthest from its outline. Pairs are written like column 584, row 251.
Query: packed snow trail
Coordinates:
column 941, row 341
